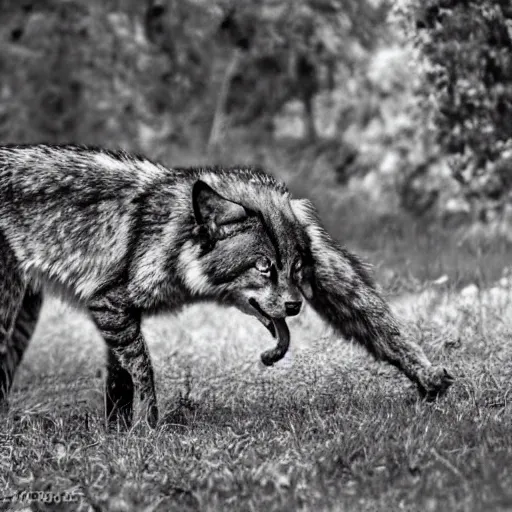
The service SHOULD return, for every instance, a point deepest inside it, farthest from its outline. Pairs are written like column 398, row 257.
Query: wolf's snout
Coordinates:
column 292, row 308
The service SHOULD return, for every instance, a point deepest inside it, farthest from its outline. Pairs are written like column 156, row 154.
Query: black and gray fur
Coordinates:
column 122, row 237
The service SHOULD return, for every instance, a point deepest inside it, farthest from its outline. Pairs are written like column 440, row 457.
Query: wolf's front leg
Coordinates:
column 129, row 364
column 118, row 393
column 356, row 310
column 343, row 293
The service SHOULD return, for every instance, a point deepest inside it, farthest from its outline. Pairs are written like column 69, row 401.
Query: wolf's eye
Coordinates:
column 263, row 265
column 297, row 265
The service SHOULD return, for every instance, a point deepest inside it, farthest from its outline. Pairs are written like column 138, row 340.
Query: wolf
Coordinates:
column 121, row 237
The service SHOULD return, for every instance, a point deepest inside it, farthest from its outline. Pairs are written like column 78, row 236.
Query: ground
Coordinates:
column 325, row 429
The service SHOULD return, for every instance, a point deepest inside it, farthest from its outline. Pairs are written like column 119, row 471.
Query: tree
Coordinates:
column 83, row 71
column 293, row 49
column 139, row 74
column 467, row 64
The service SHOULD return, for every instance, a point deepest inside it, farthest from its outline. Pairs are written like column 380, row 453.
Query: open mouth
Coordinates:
column 278, row 329
column 265, row 319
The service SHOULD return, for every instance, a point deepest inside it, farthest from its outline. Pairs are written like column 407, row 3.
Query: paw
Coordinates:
column 435, row 384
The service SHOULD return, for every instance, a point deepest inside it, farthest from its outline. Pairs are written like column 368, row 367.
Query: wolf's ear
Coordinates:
column 211, row 208
column 305, row 212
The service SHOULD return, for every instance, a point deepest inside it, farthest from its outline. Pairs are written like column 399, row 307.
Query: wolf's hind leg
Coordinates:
column 12, row 289
column 24, row 327
column 345, row 296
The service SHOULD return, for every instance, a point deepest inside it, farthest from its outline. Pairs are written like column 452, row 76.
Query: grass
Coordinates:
column 327, row 428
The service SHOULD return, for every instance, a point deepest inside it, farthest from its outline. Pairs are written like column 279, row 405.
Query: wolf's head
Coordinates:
column 249, row 251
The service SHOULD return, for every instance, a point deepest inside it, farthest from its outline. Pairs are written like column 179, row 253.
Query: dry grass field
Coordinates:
column 327, row 428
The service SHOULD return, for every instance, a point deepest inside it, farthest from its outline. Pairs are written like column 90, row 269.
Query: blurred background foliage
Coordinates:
column 375, row 109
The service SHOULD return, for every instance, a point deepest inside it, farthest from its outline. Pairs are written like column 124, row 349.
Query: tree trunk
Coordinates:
column 309, row 119
column 220, row 119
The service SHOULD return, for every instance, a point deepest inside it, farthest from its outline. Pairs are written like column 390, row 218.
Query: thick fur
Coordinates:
column 123, row 237
column 346, row 297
